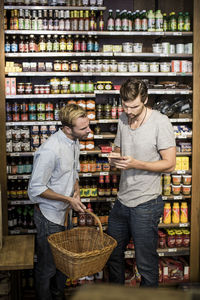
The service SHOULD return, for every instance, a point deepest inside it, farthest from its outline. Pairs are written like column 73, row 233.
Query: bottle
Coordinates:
column 40, row 20
column 67, row 20
column 77, row 44
column 50, row 20
column 14, row 44
column 90, row 44
column 86, row 21
column 21, row 44
column 74, row 219
column 110, row 21
column 144, row 21
column 118, row 23
column 61, row 21
column 89, row 218
column 13, row 190
column 101, row 186
column 165, row 22
column 114, row 188
column 124, row 19
column 137, row 21
column 21, row 20
column 107, row 189
column 83, row 46
column 187, row 22
column 27, row 20
column 101, row 21
column 180, row 21
column 32, row 44
column 49, row 44
column 151, row 20
column 92, row 25
column 19, row 191
column 167, row 213
column 20, row 167
column 70, row 44
column 130, row 23
column 81, row 21
column 173, row 22
column 55, row 21
column 15, row 20
column 81, row 219
column 45, row 20
column 34, row 20
column 175, row 213
column 7, row 44
column 42, row 44
column 63, row 44
column 56, row 44
column 159, row 20
column 96, row 44
column 11, row 20
column 119, row 108
column 184, row 212
column 114, row 109
column 94, row 192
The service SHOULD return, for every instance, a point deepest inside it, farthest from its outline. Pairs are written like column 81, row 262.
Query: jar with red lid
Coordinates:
column 41, row 89
column 90, row 105
column 82, row 145
column 46, row 89
column 105, row 165
column 36, row 89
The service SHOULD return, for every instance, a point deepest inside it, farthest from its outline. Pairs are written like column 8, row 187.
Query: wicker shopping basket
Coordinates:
column 81, row 251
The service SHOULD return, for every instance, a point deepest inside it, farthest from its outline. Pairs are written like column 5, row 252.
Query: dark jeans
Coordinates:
column 49, row 282
column 140, row 223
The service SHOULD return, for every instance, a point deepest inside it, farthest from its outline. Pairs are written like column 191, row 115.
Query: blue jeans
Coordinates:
column 49, row 281
column 140, row 223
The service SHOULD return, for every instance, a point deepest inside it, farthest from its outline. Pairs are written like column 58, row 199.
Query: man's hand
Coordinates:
column 122, row 162
column 76, row 203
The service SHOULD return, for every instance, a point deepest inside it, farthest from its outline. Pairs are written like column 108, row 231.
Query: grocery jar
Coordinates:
column 122, row 67
column 167, row 190
column 127, row 47
column 81, row 87
column 83, row 65
column 176, row 179
column 165, row 67
column 176, row 189
column 154, row 67
column 143, row 67
column 178, row 238
column 167, row 179
column 91, row 115
column 186, row 189
column 89, row 145
column 187, row 179
column 186, row 238
column 106, row 66
column 133, row 67
column 137, row 47
column 113, row 66
column 91, row 65
column 157, row 48
column 171, row 238
column 98, row 65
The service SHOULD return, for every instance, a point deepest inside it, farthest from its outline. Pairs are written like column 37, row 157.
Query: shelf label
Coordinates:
column 184, row 92
column 85, row 200
column 159, row 33
column 83, row 152
column 181, row 171
column 87, row 174
column 164, row 198
column 177, row 33
column 98, row 136
column 183, row 225
column 104, row 155
column 172, row 250
column 110, row 199
column 104, row 173
column 103, row 121
column 171, row 92
column 161, row 254
column 178, row 197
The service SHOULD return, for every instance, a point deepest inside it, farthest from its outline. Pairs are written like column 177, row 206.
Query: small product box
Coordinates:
column 13, row 86
column 178, row 163
column 185, row 163
column 7, row 86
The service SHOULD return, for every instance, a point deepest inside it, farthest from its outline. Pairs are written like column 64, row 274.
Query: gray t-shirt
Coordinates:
column 143, row 143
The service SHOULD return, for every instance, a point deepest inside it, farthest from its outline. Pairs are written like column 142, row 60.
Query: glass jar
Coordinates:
column 98, row 65
column 83, row 65
column 57, row 65
column 91, row 65
column 113, row 65
column 74, row 66
column 105, row 66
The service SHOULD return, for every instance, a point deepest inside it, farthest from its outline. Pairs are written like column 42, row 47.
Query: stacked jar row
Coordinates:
column 172, row 238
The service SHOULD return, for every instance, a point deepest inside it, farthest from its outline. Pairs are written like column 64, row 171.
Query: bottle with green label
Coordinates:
column 137, row 22
column 124, row 20
column 173, row 22
column 165, row 22
column 180, row 21
column 187, row 22
column 159, row 20
column 118, row 22
column 110, row 21
column 151, row 20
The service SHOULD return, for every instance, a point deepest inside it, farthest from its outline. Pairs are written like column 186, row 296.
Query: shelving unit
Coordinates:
column 195, row 92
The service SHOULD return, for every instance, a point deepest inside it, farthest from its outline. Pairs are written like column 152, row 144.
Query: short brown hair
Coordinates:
column 131, row 88
column 69, row 113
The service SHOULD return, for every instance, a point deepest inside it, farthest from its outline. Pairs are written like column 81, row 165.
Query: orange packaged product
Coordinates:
column 176, row 189
column 82, row 145
column 82, row 103
column 176, row 179
column 187, row 179
column 91, row 114
column 186, row 189
column 90, row 105
column 89, row 145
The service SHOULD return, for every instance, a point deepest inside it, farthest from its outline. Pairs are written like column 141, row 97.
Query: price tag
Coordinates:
column 104, row 155
column 81, row 95
column 181, row 171
column 106, row 74
column 164, row 55
column 98, row 136
column 85, row 200
column 83, row 152
column 87, row 174
column 172, row 250
column 103, row 121
column 177, row 33
column 184, row 92
column 178, row 197
column 87, row 73
column 183, row 225
column 164, row 197
column 171, row 92
column 171, row 74
column 159, row 33
column 104, row 173
column 99, row 92
column 110, row 199
column 161, row 254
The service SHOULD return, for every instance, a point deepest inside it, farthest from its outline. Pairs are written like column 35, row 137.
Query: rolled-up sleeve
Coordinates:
column 44, row 164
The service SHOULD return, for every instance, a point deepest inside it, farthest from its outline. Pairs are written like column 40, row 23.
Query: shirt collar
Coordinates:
column 68, row 140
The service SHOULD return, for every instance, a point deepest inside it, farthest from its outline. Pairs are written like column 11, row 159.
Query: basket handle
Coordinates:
column 91, row 213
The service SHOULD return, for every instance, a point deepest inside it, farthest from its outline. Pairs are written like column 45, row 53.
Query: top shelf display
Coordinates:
column 9, row 7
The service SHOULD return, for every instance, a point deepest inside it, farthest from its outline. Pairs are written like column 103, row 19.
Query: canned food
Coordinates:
column 180, row 48
column 154, row 67
column 157, row 48
column 165, row 67
column 132, row 67
column 137, row 47
column 143, row 67
column 122, row 67
column 127, row 47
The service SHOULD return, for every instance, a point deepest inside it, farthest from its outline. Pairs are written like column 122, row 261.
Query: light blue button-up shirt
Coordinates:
column 55, row 166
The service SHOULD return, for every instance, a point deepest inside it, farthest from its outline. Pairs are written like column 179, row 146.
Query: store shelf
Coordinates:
column 181, row 172
column 101, row 33
column 179, row 225
column 181, row 120
column 22, row 231
column 96, row 174
column 95, row 54
column 20, row 202
column 183, row 153
column 21, row 176
column 39, row 74
column 178, row 197
column 104, row 136
column 163, row 252
column 9, row 7
column 48, row 96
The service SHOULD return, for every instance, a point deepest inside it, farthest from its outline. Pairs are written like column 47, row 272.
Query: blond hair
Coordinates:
column 69, row 113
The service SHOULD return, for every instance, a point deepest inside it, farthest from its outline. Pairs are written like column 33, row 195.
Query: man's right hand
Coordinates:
column 76, row 204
